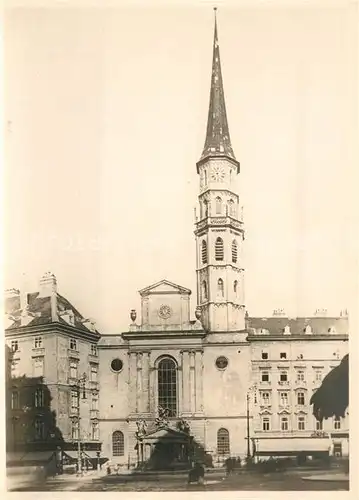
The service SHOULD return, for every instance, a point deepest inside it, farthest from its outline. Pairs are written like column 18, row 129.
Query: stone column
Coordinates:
column 132, row 381
column 145, row 395
column 199, row 381
column 192, row 379
column 185, row 382
column 139, row 356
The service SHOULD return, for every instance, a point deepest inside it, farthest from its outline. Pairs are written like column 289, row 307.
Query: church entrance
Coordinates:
column 165, row 449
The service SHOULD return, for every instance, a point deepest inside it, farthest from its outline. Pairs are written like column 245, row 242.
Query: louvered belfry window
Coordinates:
column 234, row 251
column 219, row 249
column 204, row 252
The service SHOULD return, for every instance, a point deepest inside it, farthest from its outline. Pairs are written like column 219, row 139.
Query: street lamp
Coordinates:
column 251, row 389
column 80, row 385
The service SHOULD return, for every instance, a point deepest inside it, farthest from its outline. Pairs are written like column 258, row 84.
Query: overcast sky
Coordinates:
column 106, row 115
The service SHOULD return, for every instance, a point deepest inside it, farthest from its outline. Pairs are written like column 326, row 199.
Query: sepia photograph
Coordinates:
column 179, row 249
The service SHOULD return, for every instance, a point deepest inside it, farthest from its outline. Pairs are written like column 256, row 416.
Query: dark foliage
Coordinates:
column 332, row 397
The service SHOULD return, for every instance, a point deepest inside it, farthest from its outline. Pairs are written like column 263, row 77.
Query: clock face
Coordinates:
column 217, row 174
column 165, row 311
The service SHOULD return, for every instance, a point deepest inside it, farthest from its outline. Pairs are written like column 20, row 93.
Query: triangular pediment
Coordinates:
column 166, row 433
column 164, row 287
column 284, row 411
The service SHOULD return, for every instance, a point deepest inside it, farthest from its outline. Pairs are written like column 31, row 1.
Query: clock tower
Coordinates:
column 219, row 226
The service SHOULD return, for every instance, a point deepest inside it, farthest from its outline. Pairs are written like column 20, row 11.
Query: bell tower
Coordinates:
column 219, row 227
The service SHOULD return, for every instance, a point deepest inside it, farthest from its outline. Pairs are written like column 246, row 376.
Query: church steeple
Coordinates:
column 218, row 141
column 219, row 226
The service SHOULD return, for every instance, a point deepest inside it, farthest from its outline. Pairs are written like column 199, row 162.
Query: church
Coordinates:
column 174, row 387
column 197, row 370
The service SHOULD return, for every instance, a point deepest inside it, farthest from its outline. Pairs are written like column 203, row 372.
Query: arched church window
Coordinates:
column 235, row 287
column 167, row 386
column 118, row 444
column 204, row 252
column 205, row 208
column 223, row 447
column 220, row 286
column 218, row 205
column 219, row 249
column 204, row 290
column 234, row 251
column 232, row 208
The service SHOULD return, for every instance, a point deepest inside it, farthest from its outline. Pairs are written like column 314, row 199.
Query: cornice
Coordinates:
column 54, row 327
column 304, row 338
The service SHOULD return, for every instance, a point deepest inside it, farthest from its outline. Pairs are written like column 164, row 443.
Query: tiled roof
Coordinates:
column 319, row 325
column 40, row 307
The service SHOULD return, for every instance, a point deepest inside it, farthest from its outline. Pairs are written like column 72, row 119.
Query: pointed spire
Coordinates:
column 218, row 141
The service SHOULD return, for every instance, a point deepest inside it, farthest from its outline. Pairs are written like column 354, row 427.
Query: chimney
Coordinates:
column 279, row 312
column 48, row 288
column 321, row 313
column 11, row 292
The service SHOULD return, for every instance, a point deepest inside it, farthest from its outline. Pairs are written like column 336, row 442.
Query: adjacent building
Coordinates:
column 53, row 361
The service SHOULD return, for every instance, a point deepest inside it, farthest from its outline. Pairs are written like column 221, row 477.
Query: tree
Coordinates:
column 332, row 397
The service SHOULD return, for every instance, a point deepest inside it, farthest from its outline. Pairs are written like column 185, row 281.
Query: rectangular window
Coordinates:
column 94, row 349
column 284, row 398
column 75, row 430
column 94, row 431
column 38, row 367
column 39, row 398
column 301, row 424
column 74, row 400
column 39, row 430
column 337, row 423
column 14, row 345
column 73, row 344
column 264, row 355
column 283, row 376
column 94, row 403
column 93, row 373
column 266, row 424
column 283, row 355
column 300, row 375
column 265, row 398
column 265, row 377
column 37, row 342
column 300, row 398
column 318, row 425
column 284, row 423
column 73, row 369
column 318, row 375
column 15, row 400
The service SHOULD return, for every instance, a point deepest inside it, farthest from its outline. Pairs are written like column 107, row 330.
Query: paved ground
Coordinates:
column 287, row 481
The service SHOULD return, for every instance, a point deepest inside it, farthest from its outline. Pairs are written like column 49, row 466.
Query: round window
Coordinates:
column 221, row 363
column 116, row 365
